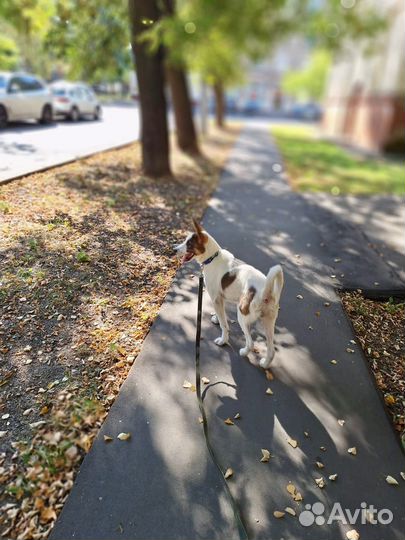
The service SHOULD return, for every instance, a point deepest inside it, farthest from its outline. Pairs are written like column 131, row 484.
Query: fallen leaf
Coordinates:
column 189, row 386
column 47, row 514
column 391, row 480
column 277, row 514
column 237, row 416
column 200, row 419
column 229, row 422
column 326, row 304
column 352, row 451
column 297, row 497
column 402, row 475
column 320, row 482
column 204, row 380
column 107, row 438
column 352, row 535
column 44, row 410
column 27, row 412
column 333, row 477
column 228, row 473
column 323, row 448
column 269, row 392
column 341, row 422
column 320, row 465
column 35, row 425
column 293, row 443
column 300, row 297
column 5, row 416
column 265, row 455
column 306, row 433
column 3, row 433
column 349, row 350
column 389, row 399
column 290, row 511
column 291, row 489
column 269, row 375
column 123, row 436
column 334, row 362
column 71, row 452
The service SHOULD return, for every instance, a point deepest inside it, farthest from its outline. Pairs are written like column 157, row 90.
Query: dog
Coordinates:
column 229, row 280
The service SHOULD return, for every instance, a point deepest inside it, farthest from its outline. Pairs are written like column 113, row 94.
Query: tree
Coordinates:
column 149, row 70
column 9, row 53
column 309, row 83
column 31, row 20
column 183, row 112
column 92, row 38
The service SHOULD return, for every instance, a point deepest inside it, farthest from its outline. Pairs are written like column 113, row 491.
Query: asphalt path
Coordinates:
column 29, row 147
column 324, row 424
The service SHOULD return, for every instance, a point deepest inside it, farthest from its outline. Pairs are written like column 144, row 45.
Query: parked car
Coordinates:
column 306, row 111
column 74, row 101
column 24, row 97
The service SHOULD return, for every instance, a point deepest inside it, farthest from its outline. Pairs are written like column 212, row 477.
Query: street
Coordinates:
column 28, row 147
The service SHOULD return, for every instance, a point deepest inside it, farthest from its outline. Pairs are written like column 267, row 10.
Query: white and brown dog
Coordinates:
column 230, row 280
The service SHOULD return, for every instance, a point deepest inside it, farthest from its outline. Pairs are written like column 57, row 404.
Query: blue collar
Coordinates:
column 210, row 259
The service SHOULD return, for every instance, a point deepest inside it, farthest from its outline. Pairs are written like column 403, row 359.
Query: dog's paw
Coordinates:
column 264, row 363
column 245, row 351
column 214, row 319
column 220, row 341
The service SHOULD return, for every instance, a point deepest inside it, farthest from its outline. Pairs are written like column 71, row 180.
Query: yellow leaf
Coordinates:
column 228, row 473
column 389, row 399
column 352, row 451
column 293, row 443
column 205, row 380
column 290, row 511
column 320, row 465
column 44, row 410
column 107, row 438
column 269, row 391
column 47, row 514
column 229, row 422
column 333, row 477
column 277, row 514
column 123, row 436
column 189, row 386
column 352, row 535
column 265, row 455
column 391, row 480
column 298, row 496
column 320, row 482
column 291, row 489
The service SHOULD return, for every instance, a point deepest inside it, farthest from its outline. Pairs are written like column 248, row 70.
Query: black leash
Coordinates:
column 238, row 520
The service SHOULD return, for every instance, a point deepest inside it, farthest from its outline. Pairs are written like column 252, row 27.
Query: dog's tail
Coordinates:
column 274, row 285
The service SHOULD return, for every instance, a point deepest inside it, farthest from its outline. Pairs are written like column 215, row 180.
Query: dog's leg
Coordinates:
column 246, row 331
column 223, row 321
column 268, row 325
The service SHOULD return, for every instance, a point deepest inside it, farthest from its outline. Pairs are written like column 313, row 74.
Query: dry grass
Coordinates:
column 86, row 261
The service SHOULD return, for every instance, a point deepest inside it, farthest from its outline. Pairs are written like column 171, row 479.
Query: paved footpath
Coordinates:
column 161, row 484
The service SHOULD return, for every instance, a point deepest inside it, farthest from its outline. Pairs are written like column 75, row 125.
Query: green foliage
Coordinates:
column 27, row 23
column 309, row 83
column 9, row 54
column 317, row 165
column 92, row 37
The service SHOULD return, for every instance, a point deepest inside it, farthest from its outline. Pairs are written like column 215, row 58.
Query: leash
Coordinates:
column 236, row 514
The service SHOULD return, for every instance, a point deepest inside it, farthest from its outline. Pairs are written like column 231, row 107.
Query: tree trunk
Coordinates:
column 219, row 104
column 183, row 113
column 150, row 75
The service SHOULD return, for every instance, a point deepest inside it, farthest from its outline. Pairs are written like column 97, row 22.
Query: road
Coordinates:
column 28, row 147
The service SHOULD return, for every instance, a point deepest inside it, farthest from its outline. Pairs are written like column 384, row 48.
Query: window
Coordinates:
column 3, row 82
column 58, row 91
column 29, row 84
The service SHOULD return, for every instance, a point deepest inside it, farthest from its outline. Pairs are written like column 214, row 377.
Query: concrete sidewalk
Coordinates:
column 161, row 483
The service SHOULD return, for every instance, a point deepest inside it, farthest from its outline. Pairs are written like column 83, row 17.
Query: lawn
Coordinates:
column 316, row 165
column 86, row 258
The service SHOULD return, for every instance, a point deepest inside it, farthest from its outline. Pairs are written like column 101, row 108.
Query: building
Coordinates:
column 365, row 97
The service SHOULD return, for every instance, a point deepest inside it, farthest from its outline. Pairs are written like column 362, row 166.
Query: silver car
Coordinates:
column 74, row 101
column 24, row 97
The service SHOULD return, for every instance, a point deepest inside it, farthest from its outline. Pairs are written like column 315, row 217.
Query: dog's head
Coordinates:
column 195, row 245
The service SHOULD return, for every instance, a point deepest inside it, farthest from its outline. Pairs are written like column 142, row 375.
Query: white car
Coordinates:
column 74, row 101
column 24, row 97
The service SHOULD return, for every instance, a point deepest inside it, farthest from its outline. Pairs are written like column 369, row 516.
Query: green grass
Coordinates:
column 316, row 165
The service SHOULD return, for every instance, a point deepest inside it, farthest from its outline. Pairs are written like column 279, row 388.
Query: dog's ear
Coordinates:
column 197, row 227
